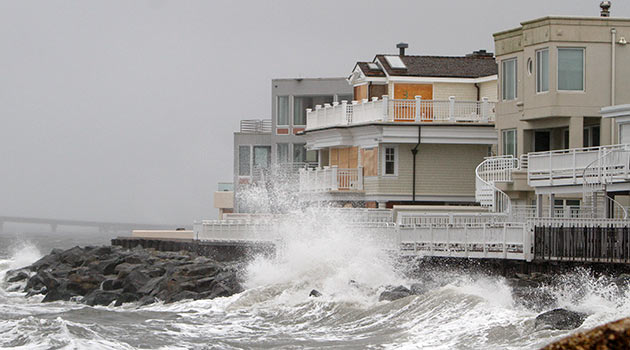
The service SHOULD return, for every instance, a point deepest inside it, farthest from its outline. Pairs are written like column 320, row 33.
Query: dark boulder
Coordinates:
column 183, row 295
column 395, row 294
column 418, row 289
column 16, row 276
column 101, row 297
column 111, row 284
column 126, row 298
column 559, row 319
column 73, row 257
column 135, row 280
column 315, row 293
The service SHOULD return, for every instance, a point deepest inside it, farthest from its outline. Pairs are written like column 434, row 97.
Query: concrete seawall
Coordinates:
column 217, row 250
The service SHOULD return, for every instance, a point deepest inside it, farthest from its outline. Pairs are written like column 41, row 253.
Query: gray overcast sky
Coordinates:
column 124, row 110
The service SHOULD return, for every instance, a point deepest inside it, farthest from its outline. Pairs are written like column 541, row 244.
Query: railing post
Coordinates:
column 344, row 110
column 334, row 182
column 484, row 109
column 385, row 108
column 418, row 108
column 451, row 108
column 360, row 178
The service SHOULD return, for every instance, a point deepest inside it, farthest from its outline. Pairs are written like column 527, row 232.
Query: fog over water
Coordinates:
column 124, row 111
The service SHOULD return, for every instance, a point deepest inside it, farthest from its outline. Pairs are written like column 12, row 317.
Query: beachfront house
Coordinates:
column 413, row 132
column 557, row 155
column 270, row 150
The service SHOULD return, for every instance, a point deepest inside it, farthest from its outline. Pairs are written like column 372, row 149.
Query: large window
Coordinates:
column 283, row 110
column 390, row 166
column 591, row 136
column 299, row 153
column 244, row 159
column 508, row 79
column 509, row 142
column 262, row 157
column 571, row 69
column 301, row 103
column 283, row 152
column 542, row 70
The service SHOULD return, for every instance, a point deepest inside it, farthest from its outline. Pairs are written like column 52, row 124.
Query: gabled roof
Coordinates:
column 369, row 72
column 440, row 66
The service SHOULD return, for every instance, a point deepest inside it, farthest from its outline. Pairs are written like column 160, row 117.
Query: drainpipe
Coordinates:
column 613, row 39
column 414, row 151
column 478, row 98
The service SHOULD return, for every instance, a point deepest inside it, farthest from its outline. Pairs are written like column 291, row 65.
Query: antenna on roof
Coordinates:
column 605, row 6
column 401, row 47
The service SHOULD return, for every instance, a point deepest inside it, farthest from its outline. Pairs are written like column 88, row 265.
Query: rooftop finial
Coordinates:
column 605, row 6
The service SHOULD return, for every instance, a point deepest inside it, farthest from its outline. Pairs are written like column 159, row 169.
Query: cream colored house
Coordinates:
column 437, row 110
column 555, row 75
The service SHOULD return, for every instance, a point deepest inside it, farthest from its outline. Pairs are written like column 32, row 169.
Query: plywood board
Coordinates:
column 334, row 157
column 360, row 92
column 410, row 91
column 369, row 160
column 353, row 157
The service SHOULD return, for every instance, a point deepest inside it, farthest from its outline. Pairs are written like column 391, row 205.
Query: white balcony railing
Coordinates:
column 331, row 179
column 388, row 110
column 256, row 126
column 567, row 167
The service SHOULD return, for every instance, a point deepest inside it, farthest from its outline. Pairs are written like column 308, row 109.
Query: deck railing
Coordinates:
column 256, row 126
column 567, row 167
column 397, row 110
column 331, row 179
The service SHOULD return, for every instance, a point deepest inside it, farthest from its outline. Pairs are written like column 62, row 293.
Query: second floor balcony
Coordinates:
column 329, row 179
column 403, row 111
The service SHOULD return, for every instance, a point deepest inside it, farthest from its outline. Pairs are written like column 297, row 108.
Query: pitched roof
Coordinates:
column 369, row 72
column 441, row 66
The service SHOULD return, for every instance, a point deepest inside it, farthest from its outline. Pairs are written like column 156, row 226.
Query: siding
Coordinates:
column 461, row 91
column 442, row 169
column 489, row 90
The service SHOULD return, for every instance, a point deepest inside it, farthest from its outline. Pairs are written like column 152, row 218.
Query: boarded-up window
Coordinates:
column 360, row 92
column 378, row 91
column 369, row 160
column 410, row 91
column 345, row 157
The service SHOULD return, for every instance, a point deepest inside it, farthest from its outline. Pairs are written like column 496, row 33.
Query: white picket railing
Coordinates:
column 389, row 110
column 567, row 167
column 487, row 174
column 331, row 179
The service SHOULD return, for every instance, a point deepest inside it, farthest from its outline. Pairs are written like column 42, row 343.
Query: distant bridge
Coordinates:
column 102, row 226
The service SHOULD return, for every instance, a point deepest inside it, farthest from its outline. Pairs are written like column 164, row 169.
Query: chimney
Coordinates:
column 480, row 53
column 605, row 6
column 401, row 47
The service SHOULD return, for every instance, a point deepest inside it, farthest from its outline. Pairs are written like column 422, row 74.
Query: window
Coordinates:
column 390, row 166
column 571, row 69
column 624, row 133
column 299, row 153
column 283, row 152
column 262, row 157
column 542, row 70
column 591, row 136
column 565, row 138
column 508, row 79
column 509, row 142
column 244, row 158
column 301, row 103
column 282, row 110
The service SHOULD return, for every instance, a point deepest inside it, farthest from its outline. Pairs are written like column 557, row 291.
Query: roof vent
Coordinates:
column 480, row 53
column 401, row 47
column 605, row 6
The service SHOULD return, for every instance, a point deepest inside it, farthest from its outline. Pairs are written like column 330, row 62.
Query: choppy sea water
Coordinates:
column 275, row 312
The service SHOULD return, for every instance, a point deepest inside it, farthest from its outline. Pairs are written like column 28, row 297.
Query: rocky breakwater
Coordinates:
column 611, row 336
column 106, row 275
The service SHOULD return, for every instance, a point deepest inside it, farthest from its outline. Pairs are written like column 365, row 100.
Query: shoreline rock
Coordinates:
column 612, row 335
column 106, row 275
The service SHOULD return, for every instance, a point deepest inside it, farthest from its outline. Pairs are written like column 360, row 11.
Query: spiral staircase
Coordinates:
column 488, row 173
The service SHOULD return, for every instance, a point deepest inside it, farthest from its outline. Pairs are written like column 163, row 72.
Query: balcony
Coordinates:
column 403, row 111
column 600, row 165
column 329, row 179
column 256, row 126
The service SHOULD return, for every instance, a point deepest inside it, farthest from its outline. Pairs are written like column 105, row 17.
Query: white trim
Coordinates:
column 396, row 160
column 400, row 79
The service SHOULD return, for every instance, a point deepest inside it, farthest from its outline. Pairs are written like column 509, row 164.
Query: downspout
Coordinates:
column 414, row 151
column 478, row 98
column 613, row 37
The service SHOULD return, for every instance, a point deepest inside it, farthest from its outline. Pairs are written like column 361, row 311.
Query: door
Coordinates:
column 542, row 140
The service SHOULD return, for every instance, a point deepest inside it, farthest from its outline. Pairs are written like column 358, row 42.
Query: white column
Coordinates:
column 485, row 109
column 552, row 199
column 418, row 108
column 451, row 108
column 385, row 108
